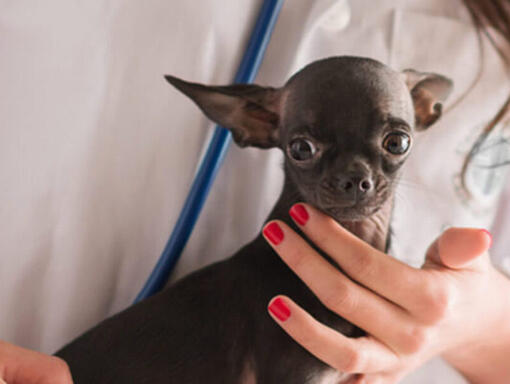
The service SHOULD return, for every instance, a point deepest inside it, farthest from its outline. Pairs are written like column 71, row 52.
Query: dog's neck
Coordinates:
column 374, row 229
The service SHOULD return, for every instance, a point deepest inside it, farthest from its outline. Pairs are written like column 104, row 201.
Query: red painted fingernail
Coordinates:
column 279, row 309
column 274, row 233
column 299, row 213
column 489, row 235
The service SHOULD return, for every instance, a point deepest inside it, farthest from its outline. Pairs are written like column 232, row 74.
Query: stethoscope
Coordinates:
column 214, row 155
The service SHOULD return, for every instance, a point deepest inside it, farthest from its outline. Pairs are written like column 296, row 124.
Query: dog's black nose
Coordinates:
column 355, row 186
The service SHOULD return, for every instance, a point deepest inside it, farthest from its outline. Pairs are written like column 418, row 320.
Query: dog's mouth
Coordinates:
column 355, row 212
column 341, row 209
column 350, row 210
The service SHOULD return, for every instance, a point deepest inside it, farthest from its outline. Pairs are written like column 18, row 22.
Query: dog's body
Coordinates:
column 345, row 125
column 211, row 327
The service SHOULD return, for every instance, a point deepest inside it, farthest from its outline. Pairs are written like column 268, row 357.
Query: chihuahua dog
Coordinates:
column 345, row 126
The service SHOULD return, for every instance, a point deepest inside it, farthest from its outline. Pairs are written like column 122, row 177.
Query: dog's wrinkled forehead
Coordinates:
column 345, row 94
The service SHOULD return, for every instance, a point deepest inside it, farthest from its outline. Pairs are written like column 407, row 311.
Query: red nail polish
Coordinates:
column 299, row 214
column 490, row 236
column 279, row 309
column 274, row 233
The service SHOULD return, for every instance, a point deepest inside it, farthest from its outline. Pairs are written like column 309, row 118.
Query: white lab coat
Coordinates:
column 97, row 151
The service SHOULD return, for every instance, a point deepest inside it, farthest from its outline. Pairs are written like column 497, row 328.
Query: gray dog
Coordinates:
column 345, row 126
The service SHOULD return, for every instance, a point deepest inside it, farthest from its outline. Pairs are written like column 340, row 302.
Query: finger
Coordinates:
column 23, row 366
column 2, row 382
column 384, row 320
column 375, row 270
column 361, row 355
column 458, row 248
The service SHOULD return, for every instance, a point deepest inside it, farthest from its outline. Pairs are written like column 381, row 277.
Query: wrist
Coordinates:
column 485, row 360
column 483, row 364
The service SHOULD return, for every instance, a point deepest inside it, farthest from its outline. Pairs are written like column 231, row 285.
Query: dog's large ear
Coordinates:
column 249, row 111
column 428, row 91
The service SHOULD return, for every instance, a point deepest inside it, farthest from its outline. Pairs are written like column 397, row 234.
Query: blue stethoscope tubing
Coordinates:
column 213, row 158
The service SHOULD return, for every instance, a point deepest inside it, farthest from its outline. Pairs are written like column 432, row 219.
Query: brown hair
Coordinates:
column 489, row 16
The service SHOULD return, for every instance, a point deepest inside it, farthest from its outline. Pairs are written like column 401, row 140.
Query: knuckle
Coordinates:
column 415, row 339
column 340, row 298
column 442, row 301
column 312, row 339
column 437, row 301
column 428, row 292
column 298, row 259
column 364, row 264
column 352, row 361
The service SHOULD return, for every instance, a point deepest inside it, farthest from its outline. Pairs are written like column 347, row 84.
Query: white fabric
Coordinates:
column 97, row 152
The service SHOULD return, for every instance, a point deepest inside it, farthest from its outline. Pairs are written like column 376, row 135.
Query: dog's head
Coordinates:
column 345, row 125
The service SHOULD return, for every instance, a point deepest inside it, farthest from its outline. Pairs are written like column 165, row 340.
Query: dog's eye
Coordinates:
column 301, row 149
column 396, row 143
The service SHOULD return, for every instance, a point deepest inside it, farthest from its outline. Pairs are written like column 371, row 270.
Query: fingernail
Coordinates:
column 299, row 214
column 274, row 233
column 489, row 235
column 279, row 309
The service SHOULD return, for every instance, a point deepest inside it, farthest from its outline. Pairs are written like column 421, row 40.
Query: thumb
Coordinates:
column 23, row 366
column 458, row 247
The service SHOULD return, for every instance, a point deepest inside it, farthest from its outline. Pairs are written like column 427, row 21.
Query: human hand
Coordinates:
column 457, row 305
column 23, row 366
